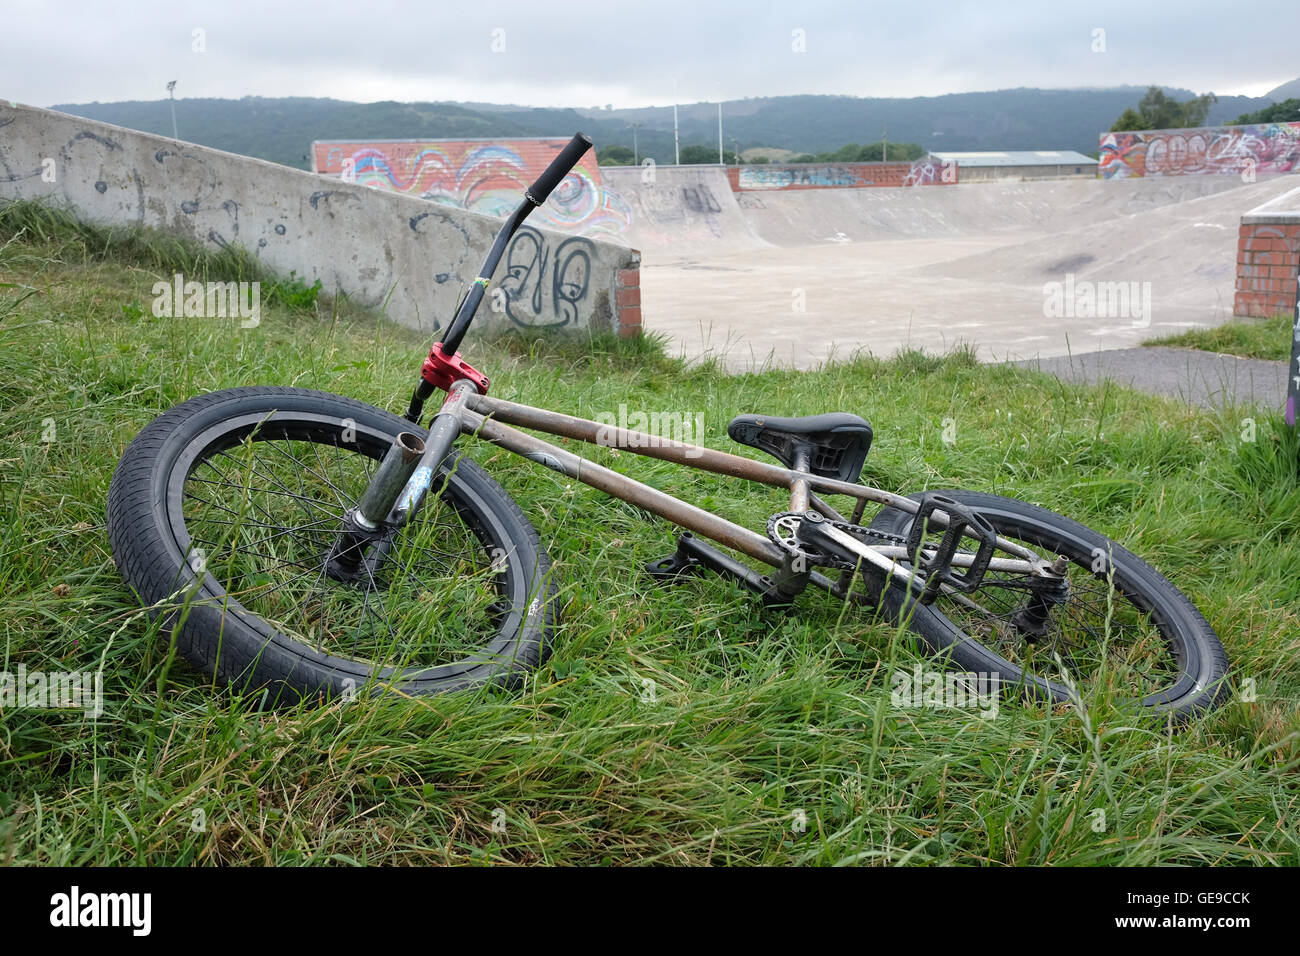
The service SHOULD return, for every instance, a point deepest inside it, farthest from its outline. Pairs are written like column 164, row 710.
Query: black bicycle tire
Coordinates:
column 1205, row 661
column 224, row 640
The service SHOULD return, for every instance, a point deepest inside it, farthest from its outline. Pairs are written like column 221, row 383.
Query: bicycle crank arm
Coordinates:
column 1013, row 565
column 825, row 536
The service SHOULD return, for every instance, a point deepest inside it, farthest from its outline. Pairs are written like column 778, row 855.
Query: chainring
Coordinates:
column 782, row 529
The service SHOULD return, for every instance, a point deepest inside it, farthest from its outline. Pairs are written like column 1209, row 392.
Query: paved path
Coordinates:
column 1207, row 379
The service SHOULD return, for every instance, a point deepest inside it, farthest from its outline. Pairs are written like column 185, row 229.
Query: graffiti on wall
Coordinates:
column 1267, row 259
column 482, row 176
column 927, row 171
column 545, row 284
column 1261, row 149
column 791, row 177
column 410, row 258
column 699, row 198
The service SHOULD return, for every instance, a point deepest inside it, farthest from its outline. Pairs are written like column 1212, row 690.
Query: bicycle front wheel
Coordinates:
column 223, row 511
column 1123, row 628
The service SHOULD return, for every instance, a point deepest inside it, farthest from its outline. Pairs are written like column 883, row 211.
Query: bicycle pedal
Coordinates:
column 937, row 564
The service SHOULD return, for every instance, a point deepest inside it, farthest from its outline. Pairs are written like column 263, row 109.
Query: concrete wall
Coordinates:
column 766, row 176
column 1262, row 149
column 372, row 244
column 1268, row 257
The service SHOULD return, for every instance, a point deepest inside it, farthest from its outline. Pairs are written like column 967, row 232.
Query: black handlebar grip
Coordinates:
column 558, row 169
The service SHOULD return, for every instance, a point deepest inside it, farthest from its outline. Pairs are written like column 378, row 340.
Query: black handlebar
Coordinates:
column 534, row 197
column 558, row 169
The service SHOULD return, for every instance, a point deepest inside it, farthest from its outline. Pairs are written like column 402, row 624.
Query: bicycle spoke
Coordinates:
column 268, row 518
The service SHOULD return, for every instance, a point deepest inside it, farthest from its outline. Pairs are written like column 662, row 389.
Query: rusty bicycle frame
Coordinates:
column 397, row 490
column 492, row 419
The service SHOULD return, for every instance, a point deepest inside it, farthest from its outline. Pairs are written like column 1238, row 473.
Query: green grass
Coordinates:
column 1249, row 338
column 756, row 719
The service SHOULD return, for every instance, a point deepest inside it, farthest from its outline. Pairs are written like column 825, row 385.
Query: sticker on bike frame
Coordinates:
column 482, row 281
column 542, row 458
column 415, row 488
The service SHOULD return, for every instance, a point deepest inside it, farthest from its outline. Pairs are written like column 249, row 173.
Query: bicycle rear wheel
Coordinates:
column 223, row 511
column 1124, row 626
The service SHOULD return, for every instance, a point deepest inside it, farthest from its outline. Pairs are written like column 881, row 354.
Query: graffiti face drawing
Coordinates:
column 545, row 286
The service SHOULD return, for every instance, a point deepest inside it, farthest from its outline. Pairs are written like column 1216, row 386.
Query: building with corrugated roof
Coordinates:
column 1021, row 164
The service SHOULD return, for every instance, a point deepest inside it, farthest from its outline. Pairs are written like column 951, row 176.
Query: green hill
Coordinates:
column 282, row 129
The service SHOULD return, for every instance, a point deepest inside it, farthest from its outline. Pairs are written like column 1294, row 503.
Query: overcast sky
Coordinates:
column 647, row 52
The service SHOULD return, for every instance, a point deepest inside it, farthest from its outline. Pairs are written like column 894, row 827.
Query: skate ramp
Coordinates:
column 811, row 217
column 820, row 273
column 680, row 211
column 1185, row 249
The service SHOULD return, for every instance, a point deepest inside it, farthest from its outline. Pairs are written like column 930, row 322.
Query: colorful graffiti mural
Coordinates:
column 793, row 177
column 1259, row 150
column 484, row 176
column 927, row 171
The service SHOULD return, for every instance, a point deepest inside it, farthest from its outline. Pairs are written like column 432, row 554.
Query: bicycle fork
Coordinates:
column 397, row 491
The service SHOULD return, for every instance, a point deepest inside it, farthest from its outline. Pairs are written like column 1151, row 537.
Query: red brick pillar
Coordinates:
column 1268, row 257
column 627, row 301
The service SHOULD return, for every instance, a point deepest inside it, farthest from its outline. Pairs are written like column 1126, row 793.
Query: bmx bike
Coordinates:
column 318, row 546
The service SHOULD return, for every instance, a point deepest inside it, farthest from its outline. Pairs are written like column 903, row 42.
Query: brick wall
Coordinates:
column 1268, row 258
column 627, row 302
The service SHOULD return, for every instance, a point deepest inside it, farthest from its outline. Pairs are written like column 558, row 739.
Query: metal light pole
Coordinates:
column 719, row 132
column 677, row 146
column 171, row 92
column 636, row 159
column 884, row 143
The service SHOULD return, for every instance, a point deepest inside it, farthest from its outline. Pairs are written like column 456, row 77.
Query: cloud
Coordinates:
column 585, row 52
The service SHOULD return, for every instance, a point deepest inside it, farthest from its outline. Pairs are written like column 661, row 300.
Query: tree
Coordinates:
column 1197, row 110
column 614, row 156
column 1157, row 110
column 865, row 153
column 1129, row 121
column 1288, row 111
column 700, row 155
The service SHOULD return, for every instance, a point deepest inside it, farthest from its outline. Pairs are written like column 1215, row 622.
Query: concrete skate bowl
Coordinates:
column 799, row 277
column 865, row 215
column 1184, row 247
column 680, row 211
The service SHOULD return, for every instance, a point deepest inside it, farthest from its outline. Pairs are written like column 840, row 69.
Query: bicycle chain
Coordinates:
column 788, row 521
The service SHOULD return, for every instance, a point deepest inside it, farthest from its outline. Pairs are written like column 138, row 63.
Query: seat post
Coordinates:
column 799, row 487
